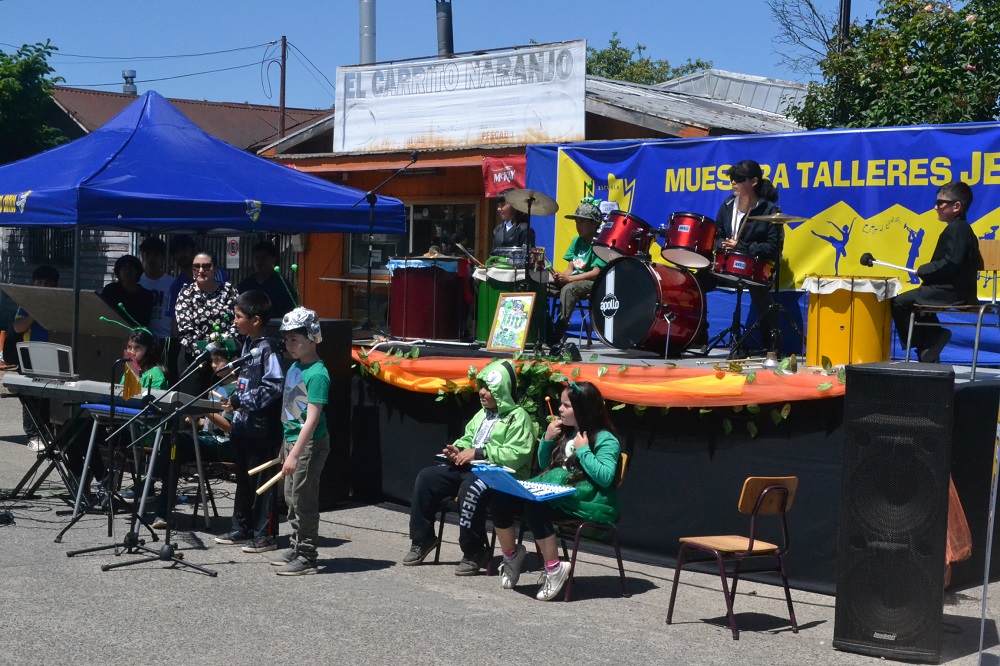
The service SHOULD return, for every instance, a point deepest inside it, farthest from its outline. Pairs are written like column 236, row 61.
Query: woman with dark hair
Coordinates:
column 579, row 449
column 127, row 293
column 204, row 311
column 753, row 195
column 512, row 228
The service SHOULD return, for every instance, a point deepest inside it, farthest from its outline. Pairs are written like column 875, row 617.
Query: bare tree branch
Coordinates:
column 805, row 30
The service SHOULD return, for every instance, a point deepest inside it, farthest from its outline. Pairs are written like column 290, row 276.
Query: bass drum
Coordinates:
column 633, row 301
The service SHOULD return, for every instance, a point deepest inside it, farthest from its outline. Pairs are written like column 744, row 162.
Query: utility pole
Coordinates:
column 281, row 94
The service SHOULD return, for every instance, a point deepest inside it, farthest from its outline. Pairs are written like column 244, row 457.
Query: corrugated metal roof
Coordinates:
column 755, row 92
column 246, row 126
column 672, row 108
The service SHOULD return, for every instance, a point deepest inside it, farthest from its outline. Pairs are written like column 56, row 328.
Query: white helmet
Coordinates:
column 302, row 318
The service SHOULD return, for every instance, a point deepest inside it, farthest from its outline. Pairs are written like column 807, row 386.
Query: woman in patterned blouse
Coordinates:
column 204, row 307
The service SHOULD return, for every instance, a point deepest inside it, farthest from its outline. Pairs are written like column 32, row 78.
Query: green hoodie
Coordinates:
column 514, row 432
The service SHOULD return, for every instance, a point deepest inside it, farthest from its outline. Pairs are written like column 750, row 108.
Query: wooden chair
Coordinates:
column 600, row 532
column 762, row 495
column 990, row 250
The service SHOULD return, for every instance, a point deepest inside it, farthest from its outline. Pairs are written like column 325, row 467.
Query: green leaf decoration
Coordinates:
column 618, row 407
column 727, row 426
column 827, row 364
column 718, row 368
column 786, row 410
column 842, row 375
column 704, row 410
column 575, row 373
column 735, row 366
column 753, row 409
column 751, row 377
column 559, row 377
column 399, row 353
column 664, row 411
column 593, row 358
column 362, row 354
column 450, row 385
column 825, row 386
column 376, row 367
column 414, row 352
column 775, row 416
column 752, row 428
column 601, row 371
column 622, row 369
column 737, row 408
column 439, row 398
column 640, row 410
column 440, row 391
column 783, row 366
column 473, row 371
column 518, row 355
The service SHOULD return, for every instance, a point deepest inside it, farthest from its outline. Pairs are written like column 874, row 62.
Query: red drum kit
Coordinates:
column 623, row 235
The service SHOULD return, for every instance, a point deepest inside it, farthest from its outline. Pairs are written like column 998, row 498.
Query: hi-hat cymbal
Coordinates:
column 778, row 218
column 541, row 203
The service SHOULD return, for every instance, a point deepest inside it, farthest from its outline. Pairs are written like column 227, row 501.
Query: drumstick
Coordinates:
column 261, row 468
column 273, row 480
column 548, row 401
column 868, row 260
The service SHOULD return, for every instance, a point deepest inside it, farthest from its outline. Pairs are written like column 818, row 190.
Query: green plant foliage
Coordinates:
column 752, row 428
column 916, row 62
column 825, row 386
column 624, row 64
column 618, row 407
column 727, row 426
column 26, row 102
column 601, row 371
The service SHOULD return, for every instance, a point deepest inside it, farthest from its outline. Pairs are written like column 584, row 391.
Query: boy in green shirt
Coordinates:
column 575, row 283
column 307, row 442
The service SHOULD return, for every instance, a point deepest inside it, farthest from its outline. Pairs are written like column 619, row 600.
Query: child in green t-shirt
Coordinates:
column 307, row 442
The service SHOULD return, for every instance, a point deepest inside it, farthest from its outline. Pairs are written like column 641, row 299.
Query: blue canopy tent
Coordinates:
column 151, row 169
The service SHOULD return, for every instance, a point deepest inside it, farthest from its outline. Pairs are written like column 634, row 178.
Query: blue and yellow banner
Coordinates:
column 860, row 190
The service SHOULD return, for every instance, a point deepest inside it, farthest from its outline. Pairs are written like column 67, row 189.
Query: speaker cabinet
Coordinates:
column 894, row 510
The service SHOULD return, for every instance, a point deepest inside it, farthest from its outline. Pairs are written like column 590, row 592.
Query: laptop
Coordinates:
column 500, row 479
column 46, row 360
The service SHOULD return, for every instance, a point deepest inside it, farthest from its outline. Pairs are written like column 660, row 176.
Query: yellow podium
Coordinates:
column 850, row 319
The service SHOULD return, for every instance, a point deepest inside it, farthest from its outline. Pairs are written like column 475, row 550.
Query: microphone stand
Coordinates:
column 371, row 198
column 167, row 553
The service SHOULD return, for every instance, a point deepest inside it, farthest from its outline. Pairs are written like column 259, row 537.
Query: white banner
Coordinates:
column 529, row 95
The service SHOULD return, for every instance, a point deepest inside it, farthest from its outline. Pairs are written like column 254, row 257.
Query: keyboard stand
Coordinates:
column 53, row 455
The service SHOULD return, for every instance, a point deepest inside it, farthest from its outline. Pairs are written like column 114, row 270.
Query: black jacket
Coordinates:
column 950, row 278
column 518, row 235
column 757, row 238
column 257, row 399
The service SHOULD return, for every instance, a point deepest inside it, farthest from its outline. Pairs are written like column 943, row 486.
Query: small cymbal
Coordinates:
column 541, row 203
column 778, row 218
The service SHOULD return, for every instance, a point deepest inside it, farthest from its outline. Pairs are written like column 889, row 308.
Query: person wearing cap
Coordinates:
column 513, row 229
column 577, row 280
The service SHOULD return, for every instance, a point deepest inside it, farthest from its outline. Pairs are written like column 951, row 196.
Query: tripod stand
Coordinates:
column 367, row 326
column 774, row 309
column 734, row 336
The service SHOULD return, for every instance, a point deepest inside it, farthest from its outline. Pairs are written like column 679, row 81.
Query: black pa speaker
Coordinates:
column 894, row 510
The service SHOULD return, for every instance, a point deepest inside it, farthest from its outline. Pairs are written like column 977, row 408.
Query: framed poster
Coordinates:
column 511, row 321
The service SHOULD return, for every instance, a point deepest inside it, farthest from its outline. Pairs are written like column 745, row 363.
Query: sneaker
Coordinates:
column 128, row 496
column 299, row 566
column 233, row 538
column 419, row 551
column 470, row 567
column 552, row 583
column 510, row 570
column 933, row 353
column 260, row 545
column 159, row 523
column 36, row 445
column 282, row 558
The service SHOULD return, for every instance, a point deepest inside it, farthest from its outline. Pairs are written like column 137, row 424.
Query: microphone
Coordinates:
column 210, row 349
column 254, row 353
column 867, row 259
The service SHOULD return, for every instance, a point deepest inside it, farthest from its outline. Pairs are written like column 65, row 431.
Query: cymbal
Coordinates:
column 778, row 218
column 541, row 203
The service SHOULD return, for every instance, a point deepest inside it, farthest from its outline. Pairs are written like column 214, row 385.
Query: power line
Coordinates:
column 149, row 58
column 313, row 70
column 165, row 78
column 314, row 67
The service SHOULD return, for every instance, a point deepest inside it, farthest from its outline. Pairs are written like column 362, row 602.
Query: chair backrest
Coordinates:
column 990, row 250
column 773, row 502
column 622, row 468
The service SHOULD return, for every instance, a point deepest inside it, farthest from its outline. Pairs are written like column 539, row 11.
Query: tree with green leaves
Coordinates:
column 624, row 64
column 25, row 98
column 917, row 62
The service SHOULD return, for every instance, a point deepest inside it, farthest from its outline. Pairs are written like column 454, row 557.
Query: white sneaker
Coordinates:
column 36, row 444
column 552, row 583
column 510, row 570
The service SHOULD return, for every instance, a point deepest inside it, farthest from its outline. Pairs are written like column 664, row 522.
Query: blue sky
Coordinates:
column 735, row 35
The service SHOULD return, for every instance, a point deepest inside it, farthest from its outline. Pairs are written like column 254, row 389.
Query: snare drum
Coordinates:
column 636, row 304
column 687, row 240
column 623, row 235
column 516, row 256
column 740, row 266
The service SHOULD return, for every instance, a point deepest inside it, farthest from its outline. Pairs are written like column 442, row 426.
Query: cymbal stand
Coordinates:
column 733, row 336
column 774, row 344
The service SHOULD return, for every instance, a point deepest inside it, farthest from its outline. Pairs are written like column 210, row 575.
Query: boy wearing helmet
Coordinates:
column 501, row 432
column 307, row 441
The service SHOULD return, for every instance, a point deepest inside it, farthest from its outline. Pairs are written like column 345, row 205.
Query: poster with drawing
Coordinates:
column 511, row 321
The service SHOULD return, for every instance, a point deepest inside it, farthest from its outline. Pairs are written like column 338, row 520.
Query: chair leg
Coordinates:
column 677, row 576
column 909, row 335
column 975, row 344
column 437, row 551
column 621, row 565
column 572, row 562
column 788, row 594
column 729, row 600
column 736, row 580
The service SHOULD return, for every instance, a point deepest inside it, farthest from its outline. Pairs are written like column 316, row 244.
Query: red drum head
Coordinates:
column 687, row 240
column 633, row 301
column 623, row 235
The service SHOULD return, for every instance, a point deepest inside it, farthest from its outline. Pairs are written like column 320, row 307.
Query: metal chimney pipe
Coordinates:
column 129, row 87
column 367, row 25
column 446, row 39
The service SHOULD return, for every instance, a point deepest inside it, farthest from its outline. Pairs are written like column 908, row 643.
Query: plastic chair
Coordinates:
column 990, row 251
column 586, row 323
column 762, row 495
column 582, row 529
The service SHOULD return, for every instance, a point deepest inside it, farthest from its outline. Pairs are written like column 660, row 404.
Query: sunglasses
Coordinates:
column 944, row 202
column 202, row 267
column 737, row 180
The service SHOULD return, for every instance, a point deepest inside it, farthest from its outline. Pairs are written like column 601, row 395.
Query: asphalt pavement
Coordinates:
column 364, row 607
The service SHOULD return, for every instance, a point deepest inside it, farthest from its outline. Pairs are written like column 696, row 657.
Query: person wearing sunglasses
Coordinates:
column 204, row 310
column 949, row 278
